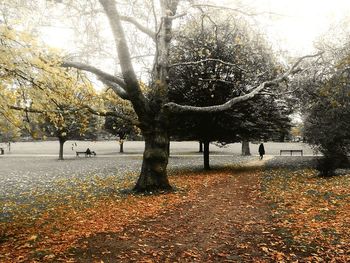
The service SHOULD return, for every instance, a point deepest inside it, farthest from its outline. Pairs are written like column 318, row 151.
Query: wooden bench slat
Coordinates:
column 92, row 153
column 291, row 152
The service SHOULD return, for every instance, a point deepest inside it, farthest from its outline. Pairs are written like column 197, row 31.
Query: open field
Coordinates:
column 136, row 147
column 33, row 166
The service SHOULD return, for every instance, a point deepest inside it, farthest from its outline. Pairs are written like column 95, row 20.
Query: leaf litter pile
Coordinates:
column 311, row 214
column 234, row 214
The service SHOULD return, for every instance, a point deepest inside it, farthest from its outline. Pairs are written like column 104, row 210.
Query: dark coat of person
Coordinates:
column 261, row 149
column 88, row 151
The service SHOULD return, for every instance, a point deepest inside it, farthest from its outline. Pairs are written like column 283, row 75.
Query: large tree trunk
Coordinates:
column 153, row 175
column 200, row 147
column 60, row 154
column 245, row 148
column 206, row 155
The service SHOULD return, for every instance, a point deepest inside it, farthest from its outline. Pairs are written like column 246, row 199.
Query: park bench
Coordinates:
column 86, row 155
column 291, row 152
column 2, row 151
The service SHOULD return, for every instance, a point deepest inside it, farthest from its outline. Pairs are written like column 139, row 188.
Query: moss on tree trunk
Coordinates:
column 153, row 175
column 245, row 148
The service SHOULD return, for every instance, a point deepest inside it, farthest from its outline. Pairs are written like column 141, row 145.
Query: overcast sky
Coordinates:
column 302, row 21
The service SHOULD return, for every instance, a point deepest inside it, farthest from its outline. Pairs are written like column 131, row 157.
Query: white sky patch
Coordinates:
column 301, row 21
column 58, row 37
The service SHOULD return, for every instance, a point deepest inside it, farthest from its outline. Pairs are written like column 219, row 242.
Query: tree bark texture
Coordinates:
column 153, row 175
column 206, row 155
column 245, row 148
column 121, row 146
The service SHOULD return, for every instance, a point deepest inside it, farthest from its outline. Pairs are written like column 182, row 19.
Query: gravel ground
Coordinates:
column 29, row 184
column 292, row 162
column 23, row 174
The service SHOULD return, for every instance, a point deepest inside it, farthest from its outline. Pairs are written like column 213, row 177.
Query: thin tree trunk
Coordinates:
column 206, row 155
column 60, row 154
column 153, row 175
column 245, row 148
column 200, row 147
column 121, row 146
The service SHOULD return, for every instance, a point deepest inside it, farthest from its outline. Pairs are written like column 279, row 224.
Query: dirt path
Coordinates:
column 227, row 222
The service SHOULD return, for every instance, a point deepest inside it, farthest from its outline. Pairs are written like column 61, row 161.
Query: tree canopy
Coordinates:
column 40, row 96
column 215, row 58
column 324, row 97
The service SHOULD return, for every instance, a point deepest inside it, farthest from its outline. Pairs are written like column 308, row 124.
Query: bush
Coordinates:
column 330, row 162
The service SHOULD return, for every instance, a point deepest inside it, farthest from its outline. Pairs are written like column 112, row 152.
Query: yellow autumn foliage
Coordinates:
column 33, row 80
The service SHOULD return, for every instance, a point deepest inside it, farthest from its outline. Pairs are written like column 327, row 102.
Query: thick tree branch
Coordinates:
column 99, row 73
column 115, row 83
column 117, row 89
column 142, row 28
column 177, row 16
column 132, row 85
column 176, row 108
column 111, row 113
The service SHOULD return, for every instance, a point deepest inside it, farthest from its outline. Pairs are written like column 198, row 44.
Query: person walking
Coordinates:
column 261, row 150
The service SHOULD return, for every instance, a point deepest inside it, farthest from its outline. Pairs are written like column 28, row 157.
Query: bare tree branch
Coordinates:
column 177, row 16
column 115, row 83
column 207, row 60
column 111, row 113
column 132, row 85
column 217, row 80
column 27, row 109
column 142, row 28
column 85, row 107
column 176, row 108
column 235, row 10
column 99, row 73
column 117, row 89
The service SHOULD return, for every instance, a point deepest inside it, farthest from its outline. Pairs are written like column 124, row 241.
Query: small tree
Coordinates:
column 66, row 126
column 121, row 127
column 325, row 101
column 327, row 125
column 40, row 96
